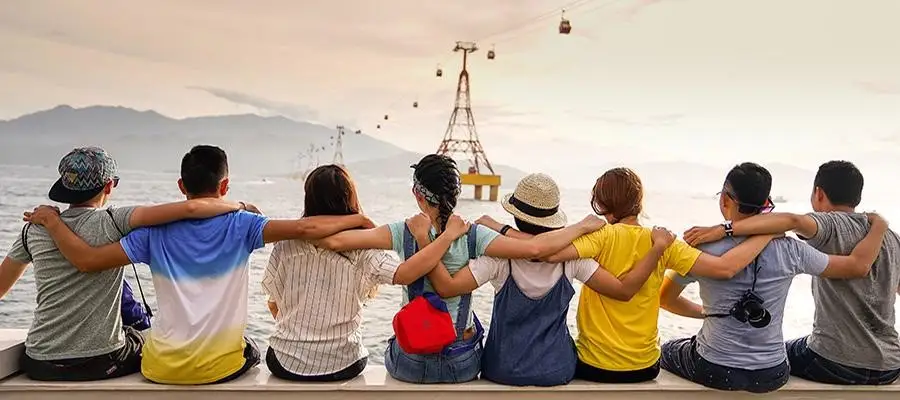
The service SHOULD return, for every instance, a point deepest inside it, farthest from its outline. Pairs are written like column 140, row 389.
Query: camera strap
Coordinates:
column 137, row 278
column 755, row 270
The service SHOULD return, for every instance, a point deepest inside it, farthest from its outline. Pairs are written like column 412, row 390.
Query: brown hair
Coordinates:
column 618, row 192
column 330, row 191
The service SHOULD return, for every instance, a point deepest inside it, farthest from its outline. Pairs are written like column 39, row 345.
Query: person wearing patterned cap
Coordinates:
column 77, row 333
column 200, row 271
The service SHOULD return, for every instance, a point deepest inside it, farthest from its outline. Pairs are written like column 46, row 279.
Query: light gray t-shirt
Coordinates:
column 731, row 343
column 78, row 314
column 854, row 319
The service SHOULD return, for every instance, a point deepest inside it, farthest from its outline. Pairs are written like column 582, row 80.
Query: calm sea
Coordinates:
column 386, row 200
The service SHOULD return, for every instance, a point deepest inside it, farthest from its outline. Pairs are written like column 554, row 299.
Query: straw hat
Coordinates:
column 536, row 201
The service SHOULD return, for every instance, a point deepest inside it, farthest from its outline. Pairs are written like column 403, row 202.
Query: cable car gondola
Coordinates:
column 491, row 54
column 415, row 104
column 385, row 117
column 439, row 73
column 564, row 25
column 378, row 126
column 358, row 132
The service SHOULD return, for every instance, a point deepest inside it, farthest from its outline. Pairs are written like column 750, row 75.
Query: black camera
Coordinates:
column 750, row 309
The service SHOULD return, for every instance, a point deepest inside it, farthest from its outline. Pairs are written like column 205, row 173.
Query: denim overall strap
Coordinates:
column 410, row 247
column 465, row 301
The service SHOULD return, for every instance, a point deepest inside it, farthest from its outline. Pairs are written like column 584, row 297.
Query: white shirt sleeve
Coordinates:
column 583, row 269
column 486, row 269
column 381, row 266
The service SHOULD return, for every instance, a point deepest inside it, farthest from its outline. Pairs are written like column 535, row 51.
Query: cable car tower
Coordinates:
column 461, row 136
column 339, row 146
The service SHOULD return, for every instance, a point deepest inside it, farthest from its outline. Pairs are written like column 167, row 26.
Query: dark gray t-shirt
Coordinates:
column 854, row 319
column 78, row 314
column 731, row 343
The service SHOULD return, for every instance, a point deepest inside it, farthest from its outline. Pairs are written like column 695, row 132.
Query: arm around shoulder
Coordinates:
column 859, row 262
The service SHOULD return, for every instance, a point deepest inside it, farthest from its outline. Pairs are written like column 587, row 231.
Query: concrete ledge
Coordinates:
column 374, row 383
column 12, row 345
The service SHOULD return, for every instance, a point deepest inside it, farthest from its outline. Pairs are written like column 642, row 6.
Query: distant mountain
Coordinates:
column 149, row 141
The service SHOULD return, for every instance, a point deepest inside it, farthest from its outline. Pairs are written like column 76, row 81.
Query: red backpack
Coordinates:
column 424, row 326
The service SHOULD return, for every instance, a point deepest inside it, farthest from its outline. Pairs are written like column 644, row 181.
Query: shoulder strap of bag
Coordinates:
column 25, row 240
column 137, row 278
column 410, row 247
column 465, row 301
column 472, row 241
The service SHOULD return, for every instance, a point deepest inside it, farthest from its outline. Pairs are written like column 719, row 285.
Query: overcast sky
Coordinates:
column 715, row 80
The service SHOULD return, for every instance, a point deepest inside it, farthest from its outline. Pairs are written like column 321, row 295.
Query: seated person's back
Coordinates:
column 732, row 343
column 200, row 273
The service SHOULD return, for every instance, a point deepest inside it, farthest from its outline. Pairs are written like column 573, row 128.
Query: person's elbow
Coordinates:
column 723, row 270
column 86, row 264
column 859, row 268
column 333, row 243
column 621, row 295
column 533, row 251
column 445, row 292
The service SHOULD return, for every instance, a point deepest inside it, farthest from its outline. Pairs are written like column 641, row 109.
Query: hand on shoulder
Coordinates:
column 41, row 215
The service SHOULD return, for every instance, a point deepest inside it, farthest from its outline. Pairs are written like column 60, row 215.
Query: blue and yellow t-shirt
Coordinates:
column 623, row 336
column 200, row 273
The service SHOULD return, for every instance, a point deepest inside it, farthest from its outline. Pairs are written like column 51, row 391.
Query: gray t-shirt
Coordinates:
column 854, row 319
column 78, row 314
column 731, row 343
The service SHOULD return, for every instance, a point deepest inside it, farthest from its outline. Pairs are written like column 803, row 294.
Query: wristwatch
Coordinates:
column 729, row 229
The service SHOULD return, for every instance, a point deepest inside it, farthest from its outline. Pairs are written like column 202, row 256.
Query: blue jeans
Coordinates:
column 808, row 365
column 432, row 368
column 681, row 358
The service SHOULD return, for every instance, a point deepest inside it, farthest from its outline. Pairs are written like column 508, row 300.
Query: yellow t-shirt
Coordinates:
column 623, row 336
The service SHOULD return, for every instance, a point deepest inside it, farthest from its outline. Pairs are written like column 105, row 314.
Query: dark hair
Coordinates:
column 439, row 175
column 749, row 186
column 203, row 168
column 618, row 192
column 532, row 229
column 330, row 191
column 841, row 181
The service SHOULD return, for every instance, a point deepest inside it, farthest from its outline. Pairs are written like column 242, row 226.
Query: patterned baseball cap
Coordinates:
column 82, row 175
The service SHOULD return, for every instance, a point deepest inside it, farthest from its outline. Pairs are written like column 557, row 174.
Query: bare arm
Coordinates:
column 671, row 300
column 444, row 284
column 311, row 228
column 762, row 224
column 447, row 285
column 859, row 262
column 10, row 272
column 542, row 245
column 735, row 260
column 495, row 226
column 377, row 238
column 84, row 257
column 426, row 259
column 188, row 209
column 567, row 254
column 273, row 308
column 624, row 288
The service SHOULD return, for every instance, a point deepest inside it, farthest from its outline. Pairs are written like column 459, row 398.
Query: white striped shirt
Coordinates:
column 320, row 295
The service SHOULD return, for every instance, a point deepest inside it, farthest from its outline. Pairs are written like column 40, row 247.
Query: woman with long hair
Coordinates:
column 436, row 188
column 317, row 295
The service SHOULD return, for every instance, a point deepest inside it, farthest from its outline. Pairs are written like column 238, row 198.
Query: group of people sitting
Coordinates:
column 327, row 264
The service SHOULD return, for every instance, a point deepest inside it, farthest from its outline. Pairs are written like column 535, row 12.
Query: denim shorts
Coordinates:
column 433, row 368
